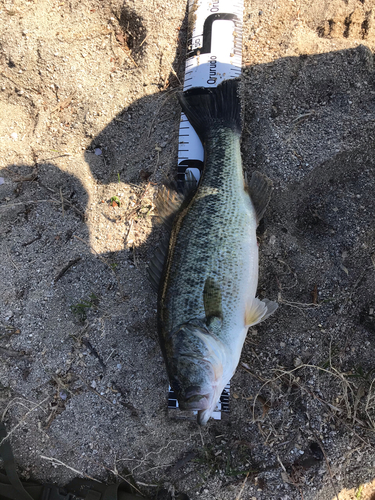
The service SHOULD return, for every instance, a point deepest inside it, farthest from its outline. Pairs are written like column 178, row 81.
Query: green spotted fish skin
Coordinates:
column 206, row 299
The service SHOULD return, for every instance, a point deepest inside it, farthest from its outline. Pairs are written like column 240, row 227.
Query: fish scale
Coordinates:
column 220, row 207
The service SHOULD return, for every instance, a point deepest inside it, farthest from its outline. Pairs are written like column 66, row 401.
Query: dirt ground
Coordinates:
column 88, row 131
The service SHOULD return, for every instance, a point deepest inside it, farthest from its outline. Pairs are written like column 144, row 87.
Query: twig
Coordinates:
column 80, row 212
column 292, row 272
column 128, row 231
column 242, row 487
column 66, row 268
column 22, row 419
column 247, row 369
column 10, row 258
column 280, row 462
column 63, row 104
column 175, row 74
column 32, row 241
column 56, row 461
column 116, row 473
column 127, row 52
column 55, row 157
column 106, row 361
column 329, row 468
column 12, row 353
column 95, row 391
column 29, row 201
column 345, row 383
column 94, row 352
column 298, row 305
column 45, row 201
column 144, row 459
column 30, row 177
column 201, row 435
column 145, row 38
column 169, row 92
column 368, row 401
column 135, row 259
column 303, row 117
column 62, row 202
column 13, row 402
column 283, row 372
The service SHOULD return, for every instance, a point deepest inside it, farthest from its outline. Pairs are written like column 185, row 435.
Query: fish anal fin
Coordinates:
column 258, row 310
column 212, row 301
column 260, row 189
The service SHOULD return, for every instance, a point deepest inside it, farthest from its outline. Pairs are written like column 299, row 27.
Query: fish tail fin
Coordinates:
column 208, row 107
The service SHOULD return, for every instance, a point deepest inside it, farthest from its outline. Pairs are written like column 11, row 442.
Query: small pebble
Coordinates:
column 8, row 315
column 297, row 362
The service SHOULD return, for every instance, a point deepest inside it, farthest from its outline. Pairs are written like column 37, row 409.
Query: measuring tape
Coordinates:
column 222, row 405
column 214, row 54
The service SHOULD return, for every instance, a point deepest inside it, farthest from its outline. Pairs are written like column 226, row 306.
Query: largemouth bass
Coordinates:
column 208, row 277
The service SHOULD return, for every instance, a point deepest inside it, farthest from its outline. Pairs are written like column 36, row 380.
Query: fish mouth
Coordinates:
column 195, row 400
column 196, row 367
column 203, row 416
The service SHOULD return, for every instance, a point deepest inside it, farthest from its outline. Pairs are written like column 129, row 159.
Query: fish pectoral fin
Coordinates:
column 260, row 189
column 212, row 301
column 258, row 310
column 271, row 308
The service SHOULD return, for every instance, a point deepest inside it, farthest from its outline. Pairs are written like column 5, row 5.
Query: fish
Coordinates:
column 206, row 274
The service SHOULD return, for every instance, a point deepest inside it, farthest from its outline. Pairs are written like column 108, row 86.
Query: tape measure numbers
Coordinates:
column 214, row 54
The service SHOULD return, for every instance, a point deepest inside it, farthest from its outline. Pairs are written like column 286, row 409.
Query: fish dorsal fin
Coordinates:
column 156, row 265
column 260, row 189
column 212, row 301
column 168, row 202
column 258, row 310
column 169, row 199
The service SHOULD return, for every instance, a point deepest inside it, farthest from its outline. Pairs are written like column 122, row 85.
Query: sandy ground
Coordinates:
column 88, row 113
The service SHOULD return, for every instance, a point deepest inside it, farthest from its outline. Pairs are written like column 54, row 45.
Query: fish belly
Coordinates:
column 215, row 238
